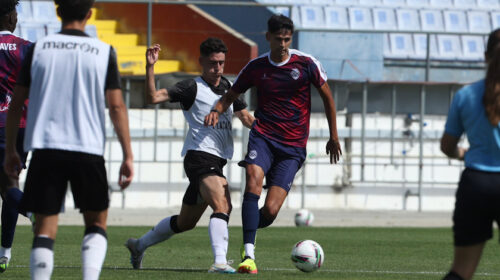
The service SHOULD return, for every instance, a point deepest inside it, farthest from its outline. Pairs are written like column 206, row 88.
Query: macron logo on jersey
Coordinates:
column 84, row 47
column 8, row 47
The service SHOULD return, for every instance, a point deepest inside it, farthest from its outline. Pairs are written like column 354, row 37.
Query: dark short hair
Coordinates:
column 71, row 10
column 279, row 22
column 212, row 45
column 7, row 6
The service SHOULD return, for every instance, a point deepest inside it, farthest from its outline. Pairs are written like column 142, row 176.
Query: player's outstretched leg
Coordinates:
column 219, row 238
column 250, row 220
column 9, row 217
column 161, row 232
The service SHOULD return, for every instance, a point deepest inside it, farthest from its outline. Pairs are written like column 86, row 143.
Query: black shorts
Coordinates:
column 477, row 206
column 47, row 180
column 196, row 165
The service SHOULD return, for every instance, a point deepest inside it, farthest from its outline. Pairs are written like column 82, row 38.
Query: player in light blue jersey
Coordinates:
column 475, row 111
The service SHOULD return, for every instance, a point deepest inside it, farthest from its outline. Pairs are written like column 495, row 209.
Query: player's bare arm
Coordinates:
column 245, row 117
column 12, row 162
column 119, row 117
column 153, row 96
column 449, row 146
column 333, row 144
column 220, row 107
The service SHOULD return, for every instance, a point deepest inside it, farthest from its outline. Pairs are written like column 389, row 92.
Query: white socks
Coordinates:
column 219, row 236
column 249, row 250
column 42, row 258
column 94, row 248
column 161, row 232
column 5, row 252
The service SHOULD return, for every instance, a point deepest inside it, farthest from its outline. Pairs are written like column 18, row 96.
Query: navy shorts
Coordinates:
column 198, row 164
column 280, row 162
column 477, row 206
column 19, row 146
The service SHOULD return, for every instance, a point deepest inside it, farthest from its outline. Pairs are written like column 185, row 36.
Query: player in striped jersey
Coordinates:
column 12, row 52
column 277, row 142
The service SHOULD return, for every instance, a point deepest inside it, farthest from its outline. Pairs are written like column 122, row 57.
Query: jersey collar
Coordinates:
column 5, row 32
column 281, row 63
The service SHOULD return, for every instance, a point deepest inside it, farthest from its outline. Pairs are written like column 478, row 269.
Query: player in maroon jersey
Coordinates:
column 277, row 142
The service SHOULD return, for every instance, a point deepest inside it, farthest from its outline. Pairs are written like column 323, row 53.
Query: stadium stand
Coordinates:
column 38, row 19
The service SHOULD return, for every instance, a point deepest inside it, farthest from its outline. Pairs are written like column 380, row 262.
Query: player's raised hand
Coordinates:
column 12, row 165
column 152, row 54
column 212, row 119
column 126, row 174
column 333, row 149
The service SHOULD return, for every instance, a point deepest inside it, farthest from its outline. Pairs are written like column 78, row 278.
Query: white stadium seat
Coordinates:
column 479, row 21
column 312, row 16
column 473, row 47
column 24, row 11
column 360, row 18
column 401, row 45
column 44, row 11
column 441, row 3
column 495, row 20
column 432, row 20
column 455, row 21
column 420, row 43
column 417, row 3
column 487, row 4
column 449, row 47
column 347, row 2
column 91, row 30
column 53, row 27
column 32, row 31
column 396, row 3
column 465, row 4
column 336, row 17
column 384, row 19
column 408, row 20
column 370, row 2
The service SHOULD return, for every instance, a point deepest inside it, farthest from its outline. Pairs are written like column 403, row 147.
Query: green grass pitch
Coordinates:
column 350, row 253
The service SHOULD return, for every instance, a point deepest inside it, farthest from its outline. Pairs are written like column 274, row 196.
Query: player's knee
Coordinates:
column 179, row 225
column 270, row 212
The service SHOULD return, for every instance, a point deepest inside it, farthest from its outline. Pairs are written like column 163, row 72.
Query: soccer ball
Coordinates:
column 304, row 218
column 307, row 255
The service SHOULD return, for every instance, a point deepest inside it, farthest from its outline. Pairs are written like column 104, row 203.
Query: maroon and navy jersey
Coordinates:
column 283, row 95
column 12, row 52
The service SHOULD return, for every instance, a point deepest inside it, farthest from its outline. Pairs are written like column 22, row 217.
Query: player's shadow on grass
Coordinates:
column 156, row 269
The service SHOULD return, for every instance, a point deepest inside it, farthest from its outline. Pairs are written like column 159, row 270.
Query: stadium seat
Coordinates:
column 336, row 17
column 32, row 31
column 455, row 21
column 465, row 4
column 370, row 2
column 417, row 3
column 495, row 20
column 473, row 47
column 408, row 19
column 53, row 27
column 360, row 18
column 24, row 10
column 487, row 4
column 44, row 11
column 401, row 45
column 432, row 20
column 323, row 2
column 312, row 16
column 420, row 44
column 384, row 19
column 17, row 31
column 91, row 30
column 479, row 21
column 441, row 3
column 347, row 2
column 395, row 3
column 281, row 10
column 449, row 47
